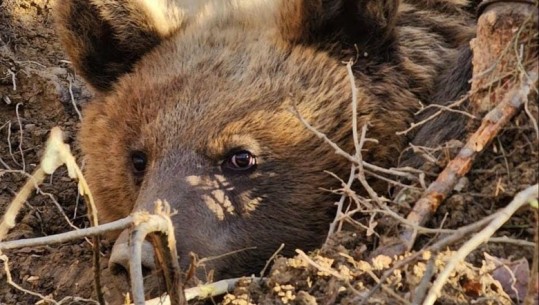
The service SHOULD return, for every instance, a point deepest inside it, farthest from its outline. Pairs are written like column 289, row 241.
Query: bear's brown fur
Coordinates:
column 187, row 89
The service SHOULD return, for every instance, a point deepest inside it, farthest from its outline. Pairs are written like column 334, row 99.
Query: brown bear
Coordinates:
column 193, row 105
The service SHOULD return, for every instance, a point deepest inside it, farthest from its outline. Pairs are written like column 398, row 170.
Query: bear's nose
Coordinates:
column 119, row 258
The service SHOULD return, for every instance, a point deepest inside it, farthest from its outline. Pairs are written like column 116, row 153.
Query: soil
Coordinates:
column 39, row 90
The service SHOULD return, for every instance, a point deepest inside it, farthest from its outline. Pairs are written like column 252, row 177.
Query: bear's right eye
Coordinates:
column 139, row 161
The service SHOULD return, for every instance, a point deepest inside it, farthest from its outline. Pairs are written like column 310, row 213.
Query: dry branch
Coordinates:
column 8, row 221
column 165, row 249
column 203, row 291
column 57, row 153
column 520, row 200
column 498, row 30
column 67, row 236
column 492, row 123
column 199, row 292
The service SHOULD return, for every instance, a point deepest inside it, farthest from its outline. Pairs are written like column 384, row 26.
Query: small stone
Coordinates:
column 29, row 127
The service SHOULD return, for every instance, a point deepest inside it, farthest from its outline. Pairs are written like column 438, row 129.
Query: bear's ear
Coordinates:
column 104, row 38
column 366, row 23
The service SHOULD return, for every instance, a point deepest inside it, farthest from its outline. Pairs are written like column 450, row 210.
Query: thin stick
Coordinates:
column 203, row 291
column 317, row 266
column 136, row 238
column 159, row 222
column 73, row 98
column 388, row 290
column 491, row 125
column 339, row 151
column 9, row 144
column 340, row 203
column 457, row 235
column 67, row 236
column 361, row 173
column 448, row 108
column 13, row 79
column 520, row 200
column 21, row 136
column 58, row 153
column 268, row 262
column 422, row 288
column 507, row 240
column 438, row 113
column 8, row 222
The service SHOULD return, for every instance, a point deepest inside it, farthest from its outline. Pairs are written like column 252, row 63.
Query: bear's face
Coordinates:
column 214, row 134
column 194, row 106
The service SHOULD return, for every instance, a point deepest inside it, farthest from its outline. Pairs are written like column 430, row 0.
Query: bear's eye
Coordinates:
column 240, row 161
column 139, row 161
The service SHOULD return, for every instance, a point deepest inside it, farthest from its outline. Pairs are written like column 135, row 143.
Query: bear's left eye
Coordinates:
column 240, row 161
column 139, row 161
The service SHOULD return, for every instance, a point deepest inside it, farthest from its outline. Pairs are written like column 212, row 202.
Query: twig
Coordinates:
column 449, row 109
column 388, row 290
column 339, row 151
column 491, row 125
column 58, row 153
column 436, row 114
column 144, row 225
column 507, row 240
column 317, row 266
column 30, row 62
column 422, row 288
column 213, row 289
column 361, row 173
column 359, row 140
column 9, row 144
column 8, row 221
column 272, row 257
column 390, row 181
column 13, row 79
column 8, row 124
column 63, row 237
column 358, row 163
column 340, row 203
column 520, row 200
column 211, row 258
column 456, row 236
column 322, row 136
column 167, row 258
column 387, row 211
column 40, row 191
column 73, row 98
column 21, row 136
column 354, row 90
column 203, row 291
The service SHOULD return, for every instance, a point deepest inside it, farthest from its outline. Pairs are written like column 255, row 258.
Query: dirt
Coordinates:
column 37, row 87
column 39, row 90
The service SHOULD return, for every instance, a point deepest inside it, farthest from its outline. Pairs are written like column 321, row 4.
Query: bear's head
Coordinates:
column 193, row 106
